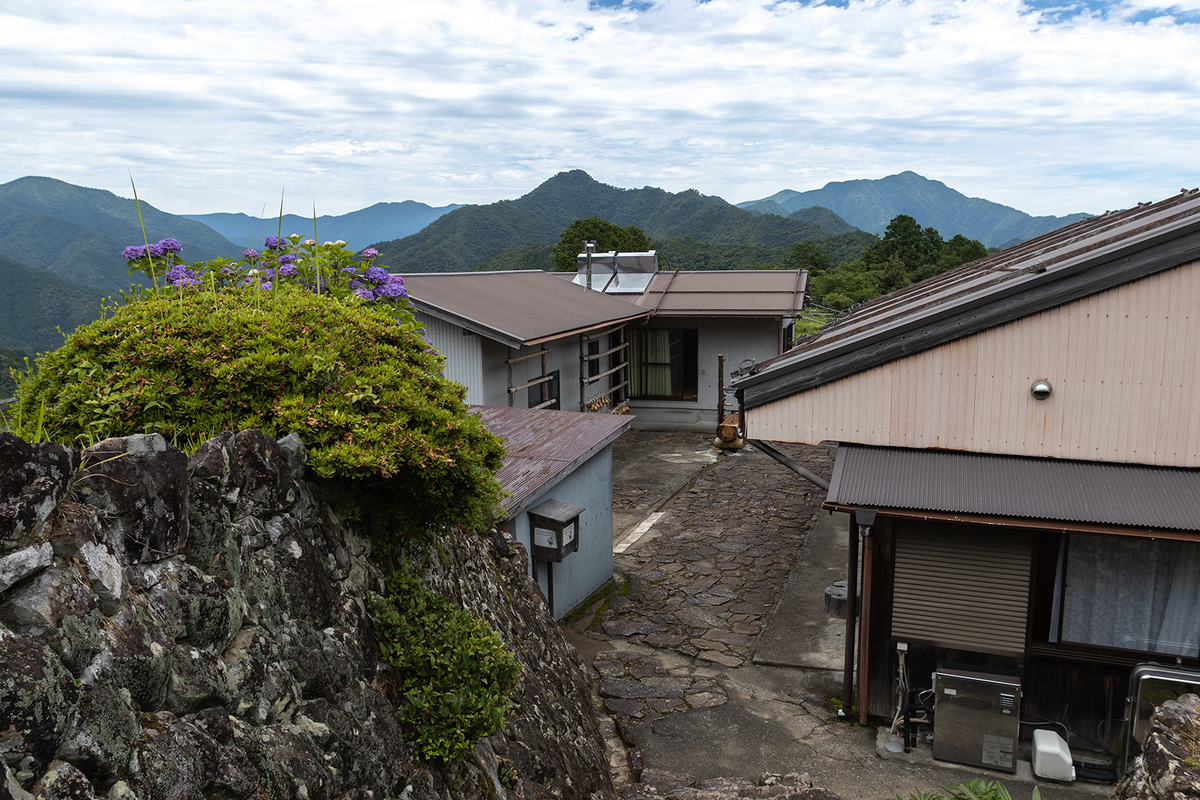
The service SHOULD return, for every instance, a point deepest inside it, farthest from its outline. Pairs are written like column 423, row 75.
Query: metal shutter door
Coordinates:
column 962, row 589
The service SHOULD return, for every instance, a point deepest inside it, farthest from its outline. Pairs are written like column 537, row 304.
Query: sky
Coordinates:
column 216, row 105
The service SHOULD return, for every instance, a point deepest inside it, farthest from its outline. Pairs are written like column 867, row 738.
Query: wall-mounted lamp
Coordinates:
column 1040, row 390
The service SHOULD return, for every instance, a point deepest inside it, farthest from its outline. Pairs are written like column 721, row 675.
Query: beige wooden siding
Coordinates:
column 1124, row 365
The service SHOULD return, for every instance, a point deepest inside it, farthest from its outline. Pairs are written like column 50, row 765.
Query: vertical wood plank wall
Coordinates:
column 1124, row 366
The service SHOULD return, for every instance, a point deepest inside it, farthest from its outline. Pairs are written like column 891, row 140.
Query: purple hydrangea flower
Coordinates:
column 377, row 275
column 266, row 274
column 227, row 270
column 370, row 253
column 170, row 246
column 287, row 258
column 133, row 252
column 250, row 254
column 156, row 251
column 357, row 285
column 179, row 273
column 266, row 286
column 395, row 279
column 286, row 270
column 391, row 291
column 351, row 270
column 365, row 294
column 274, row 242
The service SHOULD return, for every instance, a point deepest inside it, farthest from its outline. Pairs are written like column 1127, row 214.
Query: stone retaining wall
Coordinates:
column 175, row 627
column 1169, row 767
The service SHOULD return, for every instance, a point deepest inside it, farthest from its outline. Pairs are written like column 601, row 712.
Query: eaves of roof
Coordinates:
column 1090, row 256
column 1018, row 491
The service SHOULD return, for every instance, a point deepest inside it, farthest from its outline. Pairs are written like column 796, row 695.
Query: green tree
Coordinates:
column 905, row 254
column 605, row 234
column 807, row 255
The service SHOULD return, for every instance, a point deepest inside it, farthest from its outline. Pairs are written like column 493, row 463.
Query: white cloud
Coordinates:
column 214, row 105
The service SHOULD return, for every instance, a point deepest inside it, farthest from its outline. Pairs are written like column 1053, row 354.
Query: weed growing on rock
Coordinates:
column 455, row 672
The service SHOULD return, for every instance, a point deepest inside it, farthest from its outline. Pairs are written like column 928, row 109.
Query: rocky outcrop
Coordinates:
column 175, row 627
column 1169, row 767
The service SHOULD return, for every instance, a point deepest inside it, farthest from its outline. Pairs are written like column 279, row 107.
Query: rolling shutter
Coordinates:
column 961, row 588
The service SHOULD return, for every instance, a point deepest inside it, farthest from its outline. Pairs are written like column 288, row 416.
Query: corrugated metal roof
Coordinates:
column 516, row 308
column 726, row 293
column 544, row 446
column 1011, row 486
column 1088, row 256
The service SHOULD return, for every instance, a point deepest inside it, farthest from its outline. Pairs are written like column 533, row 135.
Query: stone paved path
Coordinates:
column 708, row 574
column 696, row 590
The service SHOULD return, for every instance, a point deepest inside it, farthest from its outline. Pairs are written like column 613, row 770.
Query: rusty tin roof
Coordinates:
column 545, row 446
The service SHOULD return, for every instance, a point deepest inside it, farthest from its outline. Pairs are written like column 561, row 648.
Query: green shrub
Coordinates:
column 358, row 383
column 454, row 670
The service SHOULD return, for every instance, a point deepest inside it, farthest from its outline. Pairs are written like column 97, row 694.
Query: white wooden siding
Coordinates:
column 1124, row 366
column 464, row 360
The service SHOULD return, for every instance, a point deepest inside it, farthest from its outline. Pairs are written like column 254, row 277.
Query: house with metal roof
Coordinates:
column 701, row 326
column 526, row 339
column 557, row 476
column 1019, row 464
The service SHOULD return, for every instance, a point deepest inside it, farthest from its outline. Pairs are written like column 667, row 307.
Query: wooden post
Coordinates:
column 720, row 388
column 864, row 641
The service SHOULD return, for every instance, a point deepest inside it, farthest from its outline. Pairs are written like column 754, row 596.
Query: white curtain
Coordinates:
column 650, row 367
column 1132, row 593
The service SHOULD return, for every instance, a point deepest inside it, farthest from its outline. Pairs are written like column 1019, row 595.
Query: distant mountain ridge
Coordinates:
column 468, row 236
column 35, row 305
column 357, row 228
column 78, row 233
column 872, row 204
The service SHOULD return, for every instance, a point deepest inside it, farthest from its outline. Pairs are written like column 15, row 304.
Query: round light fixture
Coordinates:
column 1040, row 390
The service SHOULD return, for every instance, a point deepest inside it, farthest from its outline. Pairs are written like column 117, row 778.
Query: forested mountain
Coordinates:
column 35, row 305
column 465, row 238
column 358, row 228
column 872, row 204
column 9, row 360
column 78, row 233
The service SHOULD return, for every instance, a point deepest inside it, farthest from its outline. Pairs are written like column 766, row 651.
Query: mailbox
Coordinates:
column 555, row 529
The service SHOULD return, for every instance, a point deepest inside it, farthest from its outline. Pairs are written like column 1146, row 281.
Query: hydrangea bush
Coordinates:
column 301, row 338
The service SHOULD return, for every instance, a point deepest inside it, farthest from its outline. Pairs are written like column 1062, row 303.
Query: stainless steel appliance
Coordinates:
column 976, row 717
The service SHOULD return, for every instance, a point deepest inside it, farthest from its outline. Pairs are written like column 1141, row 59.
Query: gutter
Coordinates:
column 807, row 474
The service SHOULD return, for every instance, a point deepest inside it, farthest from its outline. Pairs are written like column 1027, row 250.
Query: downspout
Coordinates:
column 851, row 617
column 865, row 519
column 807, row 474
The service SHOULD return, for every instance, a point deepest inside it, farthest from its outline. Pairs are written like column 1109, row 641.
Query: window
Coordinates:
column 547, row 390
column 593, row 364
column 1128, row 593
column 663, row 364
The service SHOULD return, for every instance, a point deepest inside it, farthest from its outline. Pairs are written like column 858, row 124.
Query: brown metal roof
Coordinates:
column 1011, row 486
column 516, row 308
column 544, row 446
column 726, row 293
column 1089, row 256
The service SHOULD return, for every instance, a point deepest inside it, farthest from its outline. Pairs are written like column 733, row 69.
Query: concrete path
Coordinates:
column 715, row 661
